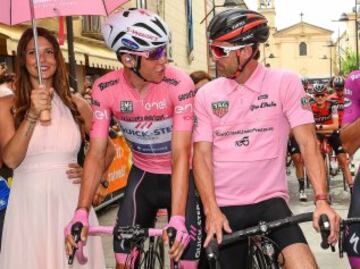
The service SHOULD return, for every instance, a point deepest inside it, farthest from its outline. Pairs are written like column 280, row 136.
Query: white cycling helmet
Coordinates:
column 135, row 30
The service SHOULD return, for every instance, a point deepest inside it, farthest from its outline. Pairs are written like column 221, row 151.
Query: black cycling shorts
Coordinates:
column 293, row 146
column 240, row 217
column 351, row 234
column 145, row 193
column 334, row 142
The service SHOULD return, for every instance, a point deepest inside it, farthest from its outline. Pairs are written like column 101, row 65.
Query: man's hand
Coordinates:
column 216, row 222
column 81, row 215
column 75, row 172
column 322, row 207
column 182, row 238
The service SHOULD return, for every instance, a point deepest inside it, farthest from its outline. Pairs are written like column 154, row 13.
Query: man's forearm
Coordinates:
column 315, row 166
column 204, row 182
column 93, row 169
column 179, row 184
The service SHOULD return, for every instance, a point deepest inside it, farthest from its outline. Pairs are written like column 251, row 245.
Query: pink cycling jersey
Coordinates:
column 148, row 121
column 352, row 97
column 248, row 126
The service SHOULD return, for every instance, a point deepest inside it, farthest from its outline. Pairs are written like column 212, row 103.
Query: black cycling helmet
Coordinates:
column 239, row 26
column 319, row 88
column 338, row 82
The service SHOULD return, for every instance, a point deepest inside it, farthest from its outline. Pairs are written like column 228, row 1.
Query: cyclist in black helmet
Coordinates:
column 243, row 119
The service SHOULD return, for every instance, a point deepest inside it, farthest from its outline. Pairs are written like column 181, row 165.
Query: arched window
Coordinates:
column 303, row 49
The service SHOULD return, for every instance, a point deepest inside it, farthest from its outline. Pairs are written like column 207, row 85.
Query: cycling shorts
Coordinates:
column 293, row 146
column 145, row 193
column 351, row 234
column 334, row 141
column 241, row 217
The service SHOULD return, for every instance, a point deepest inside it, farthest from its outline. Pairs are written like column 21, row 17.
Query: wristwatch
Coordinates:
column 105, row 184
column 323, row 197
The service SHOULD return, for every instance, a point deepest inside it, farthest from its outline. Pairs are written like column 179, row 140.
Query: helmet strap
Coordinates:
column 241, row 67
column 136, row 68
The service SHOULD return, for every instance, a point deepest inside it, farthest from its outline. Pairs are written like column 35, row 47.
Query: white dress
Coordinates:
column 43, row 199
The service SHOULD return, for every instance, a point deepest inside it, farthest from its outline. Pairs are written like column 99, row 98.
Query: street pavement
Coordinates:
column 325, row 258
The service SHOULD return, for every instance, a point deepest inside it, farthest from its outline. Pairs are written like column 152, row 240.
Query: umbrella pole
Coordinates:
column 37, row 52
column 45, row 116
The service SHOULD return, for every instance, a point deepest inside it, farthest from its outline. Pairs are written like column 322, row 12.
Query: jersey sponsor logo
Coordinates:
column 347, row 91
column 263, row 97
column 171, row 81
column 355, row 76
column 155, row 105
column 187, row 95
column 188, row 117
column 126, row 106
column 354, row 240
column 104, row 85
column 322, row 119
column 143, row 118
column 220, row 108
column 148, row 137
column 129, row 44
column 347, row 102
column 95, row 102
column 101, row 115
column 243, row 142
column 263, row 105
column 305, row 102
column 181, row 109
column 243, row 131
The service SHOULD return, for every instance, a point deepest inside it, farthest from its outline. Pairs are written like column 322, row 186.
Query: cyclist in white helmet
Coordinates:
column 153, row 103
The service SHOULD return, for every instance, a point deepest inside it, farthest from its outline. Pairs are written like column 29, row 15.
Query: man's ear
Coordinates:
column 127, row 60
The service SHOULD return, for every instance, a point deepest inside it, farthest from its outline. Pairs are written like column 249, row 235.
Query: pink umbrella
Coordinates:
column 17, row 11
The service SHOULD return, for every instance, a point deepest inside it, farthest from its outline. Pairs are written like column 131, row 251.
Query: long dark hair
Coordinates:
column 60, row 80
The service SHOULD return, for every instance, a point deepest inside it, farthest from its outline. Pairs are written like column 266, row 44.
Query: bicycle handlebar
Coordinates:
column 324, row 224
column 265, row 227
column 171, row 231
column 212, row 250
column 128, row 232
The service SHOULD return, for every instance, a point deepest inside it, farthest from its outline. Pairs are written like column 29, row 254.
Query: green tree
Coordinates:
column 348, row 62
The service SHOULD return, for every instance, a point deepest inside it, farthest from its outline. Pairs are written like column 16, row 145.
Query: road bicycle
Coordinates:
column 262, row 250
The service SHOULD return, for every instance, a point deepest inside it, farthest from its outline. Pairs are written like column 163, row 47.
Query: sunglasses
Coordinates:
column 319, row 95
column 152, row 55
column 221, row 52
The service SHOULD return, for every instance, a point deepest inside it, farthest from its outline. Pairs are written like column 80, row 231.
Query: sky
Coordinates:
column 317, row 12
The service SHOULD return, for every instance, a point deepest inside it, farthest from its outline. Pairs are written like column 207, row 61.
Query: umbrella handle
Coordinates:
column 45, row 116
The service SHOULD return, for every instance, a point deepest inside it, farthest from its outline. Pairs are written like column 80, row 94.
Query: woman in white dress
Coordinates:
column 44, row 157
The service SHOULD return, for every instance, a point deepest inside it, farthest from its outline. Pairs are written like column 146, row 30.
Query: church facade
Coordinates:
column 304, row 48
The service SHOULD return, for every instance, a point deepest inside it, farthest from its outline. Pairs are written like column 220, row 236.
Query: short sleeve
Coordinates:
column 183, row 102
column 202, row 119
column 101, row 112
column 296, row 103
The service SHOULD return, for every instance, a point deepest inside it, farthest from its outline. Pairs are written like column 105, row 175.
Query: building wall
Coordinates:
column 175, row 17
